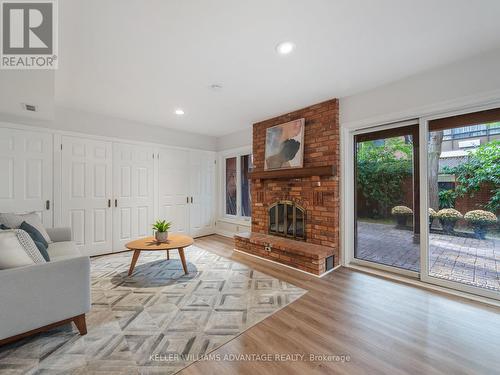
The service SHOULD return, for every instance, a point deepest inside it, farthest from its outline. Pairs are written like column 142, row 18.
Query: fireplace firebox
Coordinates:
column 287, row 219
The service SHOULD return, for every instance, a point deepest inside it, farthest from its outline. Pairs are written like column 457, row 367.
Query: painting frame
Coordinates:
column 284, row 147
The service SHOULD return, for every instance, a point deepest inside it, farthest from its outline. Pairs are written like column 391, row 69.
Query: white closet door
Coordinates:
column 86, row 193
column 133, row 179
column 202, row 197
column 173, row 188
column 26, row 173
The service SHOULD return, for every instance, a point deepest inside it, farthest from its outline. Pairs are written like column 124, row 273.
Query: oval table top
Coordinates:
column 175, row 241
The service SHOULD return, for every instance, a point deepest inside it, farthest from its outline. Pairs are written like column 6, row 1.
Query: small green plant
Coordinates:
column 162, row 225
column 447, row 198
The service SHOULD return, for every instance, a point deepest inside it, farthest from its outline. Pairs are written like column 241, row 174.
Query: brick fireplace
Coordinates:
column 314, row 188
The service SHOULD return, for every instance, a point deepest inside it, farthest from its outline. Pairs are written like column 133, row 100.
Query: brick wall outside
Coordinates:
column 318, row 195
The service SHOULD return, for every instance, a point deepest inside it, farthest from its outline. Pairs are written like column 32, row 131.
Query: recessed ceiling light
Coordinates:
column 284, row 48
column 179, row 112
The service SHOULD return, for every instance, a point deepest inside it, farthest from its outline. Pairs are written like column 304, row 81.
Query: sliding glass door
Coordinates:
column 463, row 195
column 387, row 228
column 425, row 200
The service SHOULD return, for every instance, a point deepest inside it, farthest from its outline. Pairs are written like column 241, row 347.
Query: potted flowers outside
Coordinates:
column 402, row 213
column 480, row 220
column 161, row 228
column 432, row 216
column 448, row 218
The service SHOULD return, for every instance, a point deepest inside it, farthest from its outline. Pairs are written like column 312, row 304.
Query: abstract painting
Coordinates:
column 285, row 146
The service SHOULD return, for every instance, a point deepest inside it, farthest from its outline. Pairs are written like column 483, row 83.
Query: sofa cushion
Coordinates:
column 17, row 249
column 12, row 220
column 63, row 250
column 34, row 233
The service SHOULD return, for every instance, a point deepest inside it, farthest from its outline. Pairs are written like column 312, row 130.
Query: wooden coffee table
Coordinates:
column 175, row 241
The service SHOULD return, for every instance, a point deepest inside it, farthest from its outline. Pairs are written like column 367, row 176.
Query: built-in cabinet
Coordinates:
column 108, row 192
column 26, row 173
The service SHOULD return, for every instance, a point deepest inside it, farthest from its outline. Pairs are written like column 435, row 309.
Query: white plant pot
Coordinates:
column 161, row 236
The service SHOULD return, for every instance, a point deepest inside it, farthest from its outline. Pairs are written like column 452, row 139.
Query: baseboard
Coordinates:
column 225, row 233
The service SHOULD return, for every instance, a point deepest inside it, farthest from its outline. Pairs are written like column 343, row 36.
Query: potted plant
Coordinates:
column 161, row 228
column 402, row 213
column 480, row 220
column 432, row 215
column 448, row 218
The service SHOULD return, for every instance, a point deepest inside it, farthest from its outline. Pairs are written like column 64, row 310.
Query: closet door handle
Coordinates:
column 116, row 202
column 191, row 199
column 47, row 205
column 109, row 203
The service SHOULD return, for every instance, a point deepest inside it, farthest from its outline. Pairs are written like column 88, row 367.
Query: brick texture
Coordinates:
column 318, row 195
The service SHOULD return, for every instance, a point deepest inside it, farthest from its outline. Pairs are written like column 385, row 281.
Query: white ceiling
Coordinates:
column 139, row 60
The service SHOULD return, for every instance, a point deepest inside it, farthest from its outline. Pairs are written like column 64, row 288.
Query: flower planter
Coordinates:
column 448, row 225
column 401, row 220
column 161, row 236
column 480, row 231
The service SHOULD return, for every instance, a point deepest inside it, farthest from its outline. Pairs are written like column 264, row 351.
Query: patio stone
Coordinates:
column 466, row 260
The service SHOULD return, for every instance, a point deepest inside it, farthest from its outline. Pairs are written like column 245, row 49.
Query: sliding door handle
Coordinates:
column 191, row 199
column 187, row 199
column 47, row 205
column 109, row 203
column 116, row 202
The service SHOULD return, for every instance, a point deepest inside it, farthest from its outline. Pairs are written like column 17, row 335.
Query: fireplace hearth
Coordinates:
column 287, row 219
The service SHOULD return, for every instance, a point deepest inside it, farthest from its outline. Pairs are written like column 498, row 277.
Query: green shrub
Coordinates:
column 480, row 217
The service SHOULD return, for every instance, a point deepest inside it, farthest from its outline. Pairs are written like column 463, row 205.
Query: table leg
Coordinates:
column 168, row 254
column 183, row 260
column 134, row 261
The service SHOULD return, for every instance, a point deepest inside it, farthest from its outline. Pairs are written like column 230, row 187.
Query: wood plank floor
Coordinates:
column 384, row 327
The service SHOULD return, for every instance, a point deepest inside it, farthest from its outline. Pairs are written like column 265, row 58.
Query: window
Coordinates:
column 238, row 201
column 246, row 199
column 231, row 193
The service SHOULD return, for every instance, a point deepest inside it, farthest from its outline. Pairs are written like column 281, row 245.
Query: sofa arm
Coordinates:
column 41, row 294
column 59, row 234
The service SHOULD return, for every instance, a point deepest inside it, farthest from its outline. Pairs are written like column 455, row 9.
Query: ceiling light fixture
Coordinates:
column 179, row 112
column 284, row 48
column 216, row 87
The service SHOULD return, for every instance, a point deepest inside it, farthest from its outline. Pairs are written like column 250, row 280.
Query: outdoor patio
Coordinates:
column 465, row 260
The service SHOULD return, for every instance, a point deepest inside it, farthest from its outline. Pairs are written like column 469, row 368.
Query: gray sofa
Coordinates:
column 41, row 296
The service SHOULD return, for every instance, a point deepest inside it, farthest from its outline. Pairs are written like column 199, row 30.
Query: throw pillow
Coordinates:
column 34, row 233
column 3, row 227
column 17, row 249
column 15, row 220
column 43, row 250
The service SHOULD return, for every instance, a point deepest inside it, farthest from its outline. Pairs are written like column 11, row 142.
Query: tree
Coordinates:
column 434, row 151
column 481, row 169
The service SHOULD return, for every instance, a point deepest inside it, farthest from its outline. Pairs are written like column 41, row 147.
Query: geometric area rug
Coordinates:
column 156, row 321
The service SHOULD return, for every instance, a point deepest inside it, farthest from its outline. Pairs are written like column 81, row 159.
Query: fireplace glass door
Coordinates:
column 287, row 219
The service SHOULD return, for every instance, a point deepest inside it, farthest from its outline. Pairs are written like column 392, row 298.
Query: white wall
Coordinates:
column 78, row 121
column 242, row 138
column 464, row 83
column 94, row 124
